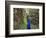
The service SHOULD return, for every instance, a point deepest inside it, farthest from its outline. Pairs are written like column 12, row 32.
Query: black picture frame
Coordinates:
column 7, row 3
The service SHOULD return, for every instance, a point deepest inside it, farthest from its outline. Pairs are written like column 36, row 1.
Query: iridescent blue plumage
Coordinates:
column 28, row 23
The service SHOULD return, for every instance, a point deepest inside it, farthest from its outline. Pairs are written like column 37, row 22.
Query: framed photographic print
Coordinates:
column 24, row 18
